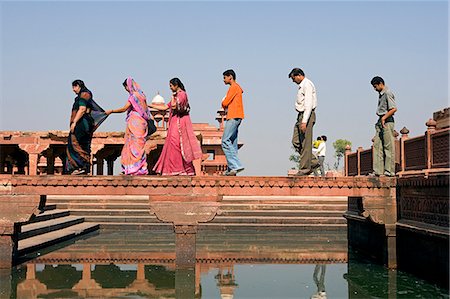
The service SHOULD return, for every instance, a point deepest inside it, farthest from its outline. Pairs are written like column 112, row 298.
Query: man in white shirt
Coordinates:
column 303, row 130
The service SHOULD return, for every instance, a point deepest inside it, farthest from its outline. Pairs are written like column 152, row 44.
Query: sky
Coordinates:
column 340, row 45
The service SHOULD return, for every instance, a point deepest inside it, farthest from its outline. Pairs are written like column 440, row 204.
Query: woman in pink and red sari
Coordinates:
column 181, row 146
column 133, row 157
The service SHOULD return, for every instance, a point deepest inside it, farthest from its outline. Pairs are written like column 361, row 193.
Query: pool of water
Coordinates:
column 229, row 264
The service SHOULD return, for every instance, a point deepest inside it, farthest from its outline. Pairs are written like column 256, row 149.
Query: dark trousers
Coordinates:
column 302, row 142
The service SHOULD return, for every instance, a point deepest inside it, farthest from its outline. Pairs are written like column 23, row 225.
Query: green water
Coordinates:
column 238, row 264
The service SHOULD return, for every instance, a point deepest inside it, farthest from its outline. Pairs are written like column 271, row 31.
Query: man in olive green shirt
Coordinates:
column 384, row 141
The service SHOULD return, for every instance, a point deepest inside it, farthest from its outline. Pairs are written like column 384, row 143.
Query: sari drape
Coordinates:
column 78, row 150
column 133, row 157
column 181, row 146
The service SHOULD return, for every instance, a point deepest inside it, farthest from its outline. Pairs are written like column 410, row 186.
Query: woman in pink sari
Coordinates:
column 133, row 157
column 181, row 146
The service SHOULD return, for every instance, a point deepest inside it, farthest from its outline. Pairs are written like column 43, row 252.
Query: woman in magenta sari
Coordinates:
column 181, row 146
column 133, row 157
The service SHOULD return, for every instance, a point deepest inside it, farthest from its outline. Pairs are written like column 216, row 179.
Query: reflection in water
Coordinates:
column 226, row 282
column 319, row 279
column 232, row 264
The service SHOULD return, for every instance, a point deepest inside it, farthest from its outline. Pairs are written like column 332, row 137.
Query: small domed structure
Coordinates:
column 158, row 99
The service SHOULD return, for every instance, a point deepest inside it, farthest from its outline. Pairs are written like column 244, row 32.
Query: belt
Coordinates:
column 311, row 111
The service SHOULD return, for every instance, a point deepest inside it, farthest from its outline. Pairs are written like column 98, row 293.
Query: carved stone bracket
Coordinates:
column 374, row 215
column 184, row 214
column 374, row 209
column 34, row 148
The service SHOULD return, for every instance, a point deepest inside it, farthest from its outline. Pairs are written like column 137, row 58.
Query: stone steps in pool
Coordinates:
column 105, row 219
column 283, row 212
column 279, row 220
column 49, row 214
column 50, row 238
column 49, row 228
column 42, row 227
column 284, row 206
column 132, row 212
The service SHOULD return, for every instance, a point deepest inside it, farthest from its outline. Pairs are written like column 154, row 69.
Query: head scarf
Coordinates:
column 137, row 98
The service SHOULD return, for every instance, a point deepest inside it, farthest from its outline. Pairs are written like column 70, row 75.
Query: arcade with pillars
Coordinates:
column 38, row 153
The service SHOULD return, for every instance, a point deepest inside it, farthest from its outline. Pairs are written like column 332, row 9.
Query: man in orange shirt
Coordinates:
column 234, row 108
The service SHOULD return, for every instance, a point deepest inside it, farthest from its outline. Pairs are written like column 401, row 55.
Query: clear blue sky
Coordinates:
column 340, row 46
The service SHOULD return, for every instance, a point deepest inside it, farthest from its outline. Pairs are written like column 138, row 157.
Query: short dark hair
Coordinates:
column 376, row 80
column 319, row 138
column 79, row 82
column 324, row 138
column 295, row 72
column 124, row 83
column 230, row 73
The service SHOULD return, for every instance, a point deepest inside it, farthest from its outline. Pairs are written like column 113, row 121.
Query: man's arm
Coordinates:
column 231, row 94
column 308, row 106
column 387, row 115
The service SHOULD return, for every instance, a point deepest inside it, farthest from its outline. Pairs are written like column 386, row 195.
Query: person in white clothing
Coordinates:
column 321, row 152
column 305, row 105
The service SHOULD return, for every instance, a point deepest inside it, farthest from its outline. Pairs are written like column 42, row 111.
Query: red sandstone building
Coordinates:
column 34, row 153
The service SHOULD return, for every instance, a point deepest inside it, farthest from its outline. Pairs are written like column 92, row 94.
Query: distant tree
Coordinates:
column 339, row 147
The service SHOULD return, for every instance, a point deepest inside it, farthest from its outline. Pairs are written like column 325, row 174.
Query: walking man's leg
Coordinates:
column 378, row 159
column 306, row 156
column 389, row 149
column 229, row 144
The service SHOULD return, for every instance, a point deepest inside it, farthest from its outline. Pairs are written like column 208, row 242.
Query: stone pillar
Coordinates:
column 100, row 165
column 185, row 242
column 185, row 283
column 392, row 284
column 95, row 148
column 185, row 217
column 50, row 162
column 33, row 151
column 31, row 287
column 110, row 165
column 185, row 251
column 221, row 118
column 32, row 163
column 86, row 283
column 391, row 226
column 404, row 131
column 358, row 159
column 431, row 128
column 348, row 150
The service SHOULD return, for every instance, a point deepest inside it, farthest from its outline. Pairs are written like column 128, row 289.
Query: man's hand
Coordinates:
column 303, row 127
column 383, row 122
column 72, row 127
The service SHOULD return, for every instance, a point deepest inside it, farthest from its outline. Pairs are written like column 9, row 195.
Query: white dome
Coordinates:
column 158, row 99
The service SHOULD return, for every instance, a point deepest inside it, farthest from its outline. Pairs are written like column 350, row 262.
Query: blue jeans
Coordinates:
column 230, row 143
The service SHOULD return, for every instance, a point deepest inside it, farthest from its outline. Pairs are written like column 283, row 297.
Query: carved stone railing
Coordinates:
column 423, row 154
column 424, row 200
